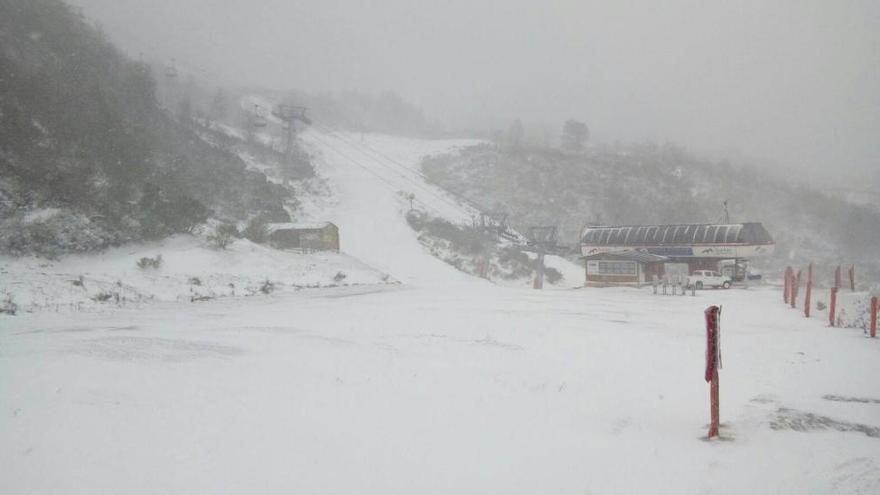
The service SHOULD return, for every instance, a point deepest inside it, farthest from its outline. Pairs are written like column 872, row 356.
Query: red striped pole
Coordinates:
column 832, row 308
column 874, row 316
column 786, row 291
column 809, row 293
column 807, row 298
column 713, row 362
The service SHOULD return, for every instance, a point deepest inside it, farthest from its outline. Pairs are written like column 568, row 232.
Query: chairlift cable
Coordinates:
column 408, row 178
column 383, row 156
column 372, row 172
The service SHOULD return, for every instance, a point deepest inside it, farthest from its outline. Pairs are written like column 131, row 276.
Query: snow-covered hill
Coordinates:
column 190, row 270
column 374, row 176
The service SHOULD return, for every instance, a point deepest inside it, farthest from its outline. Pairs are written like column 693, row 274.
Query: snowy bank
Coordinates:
column 189, row 270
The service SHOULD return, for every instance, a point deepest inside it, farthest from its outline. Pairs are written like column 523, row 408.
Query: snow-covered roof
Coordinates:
column 272, row 227
column 676, row 234
column 639, row 256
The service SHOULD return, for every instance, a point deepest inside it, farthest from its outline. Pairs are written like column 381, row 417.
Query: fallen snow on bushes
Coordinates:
column 190, row 270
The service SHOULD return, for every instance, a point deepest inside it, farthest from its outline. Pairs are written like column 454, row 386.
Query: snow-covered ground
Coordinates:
column 190, row 269
column 443, row 384
column 437, row 390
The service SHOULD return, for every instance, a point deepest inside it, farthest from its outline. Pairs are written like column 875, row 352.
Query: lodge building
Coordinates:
column 633, row 254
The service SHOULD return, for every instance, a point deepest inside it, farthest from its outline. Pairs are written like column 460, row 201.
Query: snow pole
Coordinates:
column 786, row 291
column 809, row 292
column 852, row 278
column 807, row 298
column 713, row 363
column 832, row 308
column 873, row 316
column 837, row 276
column 795, row 286
column 539, row 272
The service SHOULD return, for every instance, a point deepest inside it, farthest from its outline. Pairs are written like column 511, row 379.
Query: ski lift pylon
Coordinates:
column 171, row 70
column 259, row 119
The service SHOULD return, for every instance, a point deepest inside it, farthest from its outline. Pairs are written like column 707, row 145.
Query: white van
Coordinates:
column 708, row 278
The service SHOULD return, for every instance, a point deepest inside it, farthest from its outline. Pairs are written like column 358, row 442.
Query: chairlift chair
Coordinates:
column 259, row 119
column 171, row 70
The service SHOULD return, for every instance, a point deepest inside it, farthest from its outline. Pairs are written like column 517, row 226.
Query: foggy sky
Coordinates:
column 795, row 82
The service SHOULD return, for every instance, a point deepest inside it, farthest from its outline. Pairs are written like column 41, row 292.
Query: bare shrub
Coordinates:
column 8, row 306
column 147, row 263
column 257, row 230
column 223, row 235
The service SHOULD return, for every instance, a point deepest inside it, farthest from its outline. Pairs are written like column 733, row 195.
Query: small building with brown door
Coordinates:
column 321, row 236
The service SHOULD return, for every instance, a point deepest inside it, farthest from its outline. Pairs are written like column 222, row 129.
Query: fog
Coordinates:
column 792, row 83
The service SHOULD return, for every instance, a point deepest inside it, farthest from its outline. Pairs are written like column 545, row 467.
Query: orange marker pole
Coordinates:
column 787, row 285
column 713, row 362
column 832, row 308
column 807, row 298
column 873, row 316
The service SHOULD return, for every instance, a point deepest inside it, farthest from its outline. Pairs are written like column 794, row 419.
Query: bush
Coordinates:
column 339, row 277
column 150, row 263
column 8, row 306
column 268, row 287
column 53, row 236
column 257, row 230
column 467, row 240
column 104, row 296
column 223, row 235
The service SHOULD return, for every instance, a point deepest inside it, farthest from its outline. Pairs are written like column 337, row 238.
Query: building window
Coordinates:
column 616, row 268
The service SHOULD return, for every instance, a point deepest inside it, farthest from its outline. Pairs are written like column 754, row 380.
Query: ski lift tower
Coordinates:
column 290, row 114
column 542, row 240
column 170, row 76
column 494, row 221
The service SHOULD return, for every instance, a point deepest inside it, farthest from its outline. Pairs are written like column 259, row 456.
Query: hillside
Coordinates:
column 644, row 183
column 88, row 159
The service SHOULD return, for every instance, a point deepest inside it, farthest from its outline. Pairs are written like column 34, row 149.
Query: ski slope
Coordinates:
column 372, row 174
column 370, row 205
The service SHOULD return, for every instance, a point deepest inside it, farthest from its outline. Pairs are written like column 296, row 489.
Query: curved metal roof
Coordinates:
column 677, row 234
